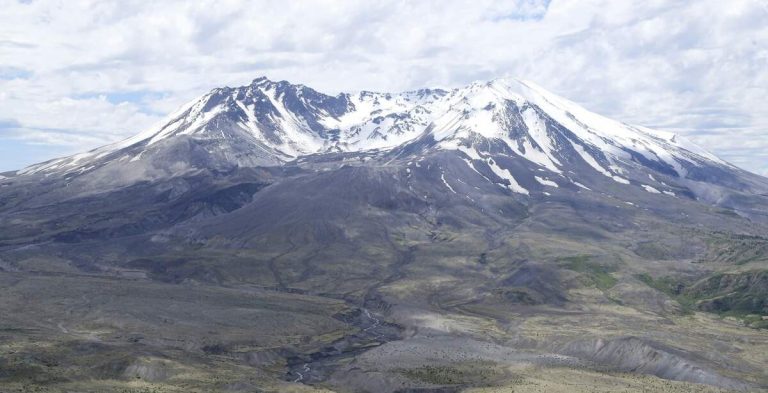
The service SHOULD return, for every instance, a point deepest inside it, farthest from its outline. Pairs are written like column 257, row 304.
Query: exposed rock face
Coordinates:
column 632, row 354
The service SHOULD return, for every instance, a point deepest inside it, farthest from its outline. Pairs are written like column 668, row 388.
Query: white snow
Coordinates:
column 298, row 138
column 442, row 177
column 538, row 132
column 650, row 189
column 506, row 175
column 581, row 185
column 471, row 152
column 546, row 182
column 472, row 166
column 619, row 179
column 590, row 160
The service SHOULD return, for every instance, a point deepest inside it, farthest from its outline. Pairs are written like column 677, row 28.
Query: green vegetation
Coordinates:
column 438, row 375
column 517, row 295
column 742, row 295
column 668, row 285
column 672, row 287
column 752, row 320
column 595, row 274
column 736, row 249
column 656, row 250
column 739, row 295
column 449, row 375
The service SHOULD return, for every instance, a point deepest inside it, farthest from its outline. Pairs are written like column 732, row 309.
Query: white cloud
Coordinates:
column 698, row 68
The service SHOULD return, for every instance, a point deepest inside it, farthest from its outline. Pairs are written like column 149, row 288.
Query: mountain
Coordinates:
column 502, row 127
column 432, row 239
column 268, row 123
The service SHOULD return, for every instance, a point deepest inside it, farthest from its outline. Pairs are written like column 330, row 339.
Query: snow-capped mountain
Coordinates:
column 482, row 215
column 512, row 132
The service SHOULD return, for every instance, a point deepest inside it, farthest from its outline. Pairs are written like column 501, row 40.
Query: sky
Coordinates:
column 78, row 74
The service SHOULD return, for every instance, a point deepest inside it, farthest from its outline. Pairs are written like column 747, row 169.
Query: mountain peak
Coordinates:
column 260, row 80
column 264, row 82
column 506, row 124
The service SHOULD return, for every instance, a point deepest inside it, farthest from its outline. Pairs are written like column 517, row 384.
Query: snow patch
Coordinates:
column 507, row 175
column 581, row 186
column 650, row 189
column 442, row 177
column 546, row 182
column 590, row 160
column 619, row 179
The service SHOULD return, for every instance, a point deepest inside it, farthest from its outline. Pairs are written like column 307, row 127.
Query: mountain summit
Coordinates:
column 512, row 132
column 280, row 121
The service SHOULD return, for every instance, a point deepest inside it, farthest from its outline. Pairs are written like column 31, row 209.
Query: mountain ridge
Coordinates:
column 343, row 102
column 511, row 132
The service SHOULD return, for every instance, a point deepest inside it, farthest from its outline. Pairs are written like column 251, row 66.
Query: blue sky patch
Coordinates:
column 8, row 73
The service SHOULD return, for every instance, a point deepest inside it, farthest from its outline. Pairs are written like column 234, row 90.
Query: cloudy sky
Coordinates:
column 78, row 74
